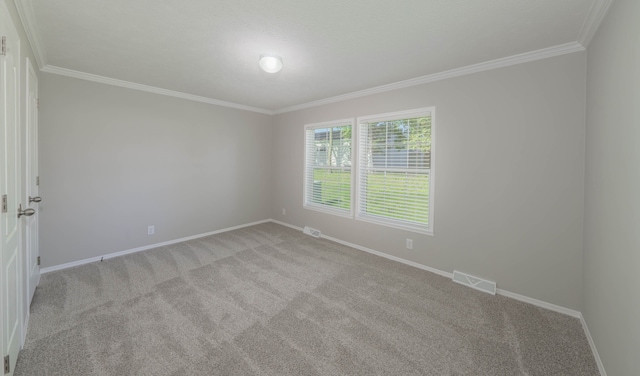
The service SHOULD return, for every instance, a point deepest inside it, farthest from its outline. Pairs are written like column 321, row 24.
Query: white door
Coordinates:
column 10, row 188
column 32, row 196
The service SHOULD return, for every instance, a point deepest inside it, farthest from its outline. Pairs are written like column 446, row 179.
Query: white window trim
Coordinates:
column 323, row 208
column 399, row 224
column 355, row 212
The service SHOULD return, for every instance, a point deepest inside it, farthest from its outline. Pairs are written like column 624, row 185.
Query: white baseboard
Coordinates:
column 522, row 298
column 539, row 303
column 449, row 275
column 369, row 250
column 286, row 224
column 25, row 326
column 144, row 248
column 390, row 257
column 509, row 294
column 593, row 346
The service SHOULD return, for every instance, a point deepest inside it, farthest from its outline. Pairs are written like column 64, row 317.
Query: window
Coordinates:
column 395, row 169
column 328, row 162
column 393, row 176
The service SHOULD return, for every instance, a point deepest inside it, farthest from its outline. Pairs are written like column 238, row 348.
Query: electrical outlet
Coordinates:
column 284, row 211
column 409, row 243
column 151, row 230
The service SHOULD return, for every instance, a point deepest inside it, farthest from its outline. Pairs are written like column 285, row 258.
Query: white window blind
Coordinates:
column 328, row 162
column 395, row 170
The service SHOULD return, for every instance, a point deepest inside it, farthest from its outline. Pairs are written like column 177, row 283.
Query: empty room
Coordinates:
column 359, row 187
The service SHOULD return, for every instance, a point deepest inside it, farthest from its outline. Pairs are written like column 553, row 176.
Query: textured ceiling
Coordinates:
column 210, row 48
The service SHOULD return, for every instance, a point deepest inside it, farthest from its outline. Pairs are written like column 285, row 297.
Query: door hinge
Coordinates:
column 37, row 180
column 38, row 260
column 7, row 365
column 4, row 203
column 4, row 46
column 38, row 103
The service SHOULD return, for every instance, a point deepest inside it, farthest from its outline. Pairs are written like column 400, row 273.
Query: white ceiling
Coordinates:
column 210, row 48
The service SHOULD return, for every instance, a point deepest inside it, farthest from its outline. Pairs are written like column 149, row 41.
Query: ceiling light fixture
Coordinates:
column 270, row 63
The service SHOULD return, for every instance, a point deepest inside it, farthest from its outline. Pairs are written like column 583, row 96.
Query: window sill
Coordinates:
column 340, row 213
column 396, row 225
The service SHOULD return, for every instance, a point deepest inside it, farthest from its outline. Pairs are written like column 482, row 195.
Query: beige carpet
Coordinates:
column 268, row 300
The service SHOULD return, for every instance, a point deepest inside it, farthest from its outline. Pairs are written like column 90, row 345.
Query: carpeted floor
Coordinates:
column 268, row 300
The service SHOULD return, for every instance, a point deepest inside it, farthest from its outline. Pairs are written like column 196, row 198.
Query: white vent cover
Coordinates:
column 474, row 282
column 312, row 231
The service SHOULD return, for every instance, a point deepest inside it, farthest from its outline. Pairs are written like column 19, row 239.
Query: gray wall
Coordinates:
column 611, row 301
column 115, row 160
column 509, row 176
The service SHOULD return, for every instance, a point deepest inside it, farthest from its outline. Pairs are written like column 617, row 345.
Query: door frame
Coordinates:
column 9, row 29
column 30, row 144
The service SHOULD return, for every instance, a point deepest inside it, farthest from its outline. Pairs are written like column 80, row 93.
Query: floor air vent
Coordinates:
column 312, row 231
column 474, row 282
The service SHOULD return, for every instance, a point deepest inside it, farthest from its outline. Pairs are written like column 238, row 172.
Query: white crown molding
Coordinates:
column 150, row 89
column 25, row 11
column 475, row 68
column 596, row 14
column 526, row 57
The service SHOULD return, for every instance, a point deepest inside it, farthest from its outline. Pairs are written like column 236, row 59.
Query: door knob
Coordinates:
column 35, row 199
column 27, row 212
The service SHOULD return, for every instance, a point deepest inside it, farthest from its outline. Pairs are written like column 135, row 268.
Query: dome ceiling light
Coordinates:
column 270, row 63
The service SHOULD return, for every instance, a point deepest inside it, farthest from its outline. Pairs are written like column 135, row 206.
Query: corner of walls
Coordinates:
column 611, row 304
column 592, row 345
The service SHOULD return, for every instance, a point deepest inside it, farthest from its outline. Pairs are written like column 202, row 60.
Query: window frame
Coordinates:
column 360, row 150
column 306, row 202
